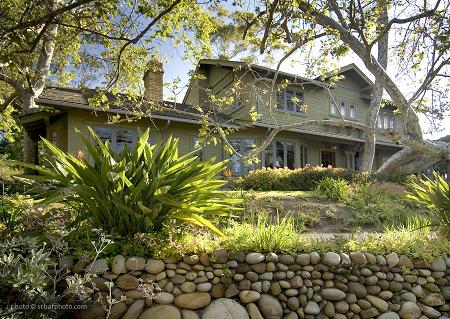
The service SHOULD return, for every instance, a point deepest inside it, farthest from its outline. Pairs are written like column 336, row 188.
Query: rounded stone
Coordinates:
column 378, row 303
column 191, row 260
column 253, row 311
column 248, row 296
column 358, row 289
column 117, row 310
column 438, row 264
column 409, row 310
column 331, row 259
column 118, row 265
column 286, row 260
column 341, row 307
column 194, row 300
column 388, row 315
column 314, row 258
column 161, row 311
column 254, row 258
column 127, row 282
column 312, row 308
column 333, row 294
column 135, row 310
column 303, row 259
column 392, row 259
column 135, row 263
column 206, row 286
column 225, row 309
column 98, row 267
column 188, row 286
column 189, row 314
column 433, row 300
column 270, row 307
column 219, row 256
column 164, row 298
column 358, row 259
column 154, row 266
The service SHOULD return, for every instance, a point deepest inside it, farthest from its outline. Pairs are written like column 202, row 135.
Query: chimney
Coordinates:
column 153, row 81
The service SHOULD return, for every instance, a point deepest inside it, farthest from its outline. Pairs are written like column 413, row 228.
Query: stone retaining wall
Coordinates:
column 271, row 286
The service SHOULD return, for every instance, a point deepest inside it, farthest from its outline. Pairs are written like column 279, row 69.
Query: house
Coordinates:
column 234, row 92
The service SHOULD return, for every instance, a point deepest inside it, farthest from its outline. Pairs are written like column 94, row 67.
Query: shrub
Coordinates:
column 137, row 190
column 435, row 194
column 306, row 179
column 301, row 179
column 337, row 189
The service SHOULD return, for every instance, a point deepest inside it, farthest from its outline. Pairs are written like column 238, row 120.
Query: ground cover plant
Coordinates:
column 136, row 190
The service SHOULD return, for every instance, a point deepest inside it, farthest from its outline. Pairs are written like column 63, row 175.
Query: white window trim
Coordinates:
column 114, row 130
column 300, row 104
column 336, row 107
column 273, row 147
column 241, row 148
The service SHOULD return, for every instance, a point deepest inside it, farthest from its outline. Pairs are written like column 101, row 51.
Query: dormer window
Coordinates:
column 386, row 120
column 290, row 101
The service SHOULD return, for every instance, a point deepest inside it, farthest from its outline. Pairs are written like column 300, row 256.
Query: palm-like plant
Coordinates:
column 137, row 190
column 435, row 194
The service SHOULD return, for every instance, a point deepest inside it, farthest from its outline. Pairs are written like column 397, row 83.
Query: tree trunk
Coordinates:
column 377, row 96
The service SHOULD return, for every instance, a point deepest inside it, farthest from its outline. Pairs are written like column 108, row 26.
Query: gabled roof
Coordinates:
column 78, row 98
column 354, row 70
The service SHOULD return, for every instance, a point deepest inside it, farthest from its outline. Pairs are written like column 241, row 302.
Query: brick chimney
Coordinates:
column 153, row 81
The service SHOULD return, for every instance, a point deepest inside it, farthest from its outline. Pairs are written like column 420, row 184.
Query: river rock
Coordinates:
column 392, row 259
column 333, row 294
column 409, row 310
column 98, row 267
column 118, row 265
column 378, row 303
column 135, row 263
column 161, row 311
column 438, row 264
column 154, row 266
column 331, row 259
column 270, row 307
column 254, row 258
column 225, row 309
column 389, row 315
column 194, row 300
column 433, row 300
column 312, row 308
column 247, row 296
column 134, row 310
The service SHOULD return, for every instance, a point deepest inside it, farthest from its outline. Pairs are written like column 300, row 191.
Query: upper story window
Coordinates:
column 346, row 109
column 386, row 120
column 290, row 101
column 237, row 103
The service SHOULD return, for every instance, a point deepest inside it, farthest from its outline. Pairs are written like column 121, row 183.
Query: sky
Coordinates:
column 177, row 67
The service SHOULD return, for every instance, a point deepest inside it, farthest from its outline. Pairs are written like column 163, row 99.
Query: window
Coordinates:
column 119, row 138
column 303, row 156
column 241, row 146
column 237, row 103
column 200, row 148
column 386, row 120
column 280, row 155
column 352, row 111
column 333, row 108
column 290, row 101
column 343, row 108
column 328, row 158
column 346, row 109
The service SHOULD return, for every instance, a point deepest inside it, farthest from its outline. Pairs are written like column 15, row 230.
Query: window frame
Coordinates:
column 244, row 168
column 113, row 139
column 273, row 148
column 333, row 109
column 298, row 105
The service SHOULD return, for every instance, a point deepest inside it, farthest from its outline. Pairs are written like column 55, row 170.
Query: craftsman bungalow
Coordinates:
column 295, row 99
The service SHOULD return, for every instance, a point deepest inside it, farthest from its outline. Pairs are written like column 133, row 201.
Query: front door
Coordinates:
column 328, row 158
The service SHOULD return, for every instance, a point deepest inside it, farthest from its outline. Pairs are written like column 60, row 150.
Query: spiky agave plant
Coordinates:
column 137, row 190
column 435, row 194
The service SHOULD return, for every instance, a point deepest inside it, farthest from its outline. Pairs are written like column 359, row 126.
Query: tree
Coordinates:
column 54, row 41
column 361, row 27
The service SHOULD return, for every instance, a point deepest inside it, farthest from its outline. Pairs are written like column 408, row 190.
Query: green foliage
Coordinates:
column 378, row 204
column 304, row 179
column 138, row 190
column 337, row 189
column 264, row 235
column 10, row 215
column 434, row 194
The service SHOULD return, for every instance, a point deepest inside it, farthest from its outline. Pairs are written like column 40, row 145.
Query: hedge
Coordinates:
column 305, row 179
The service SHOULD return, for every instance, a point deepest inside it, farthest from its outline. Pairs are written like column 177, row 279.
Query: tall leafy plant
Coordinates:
column 137, row 190
column 435, row 194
